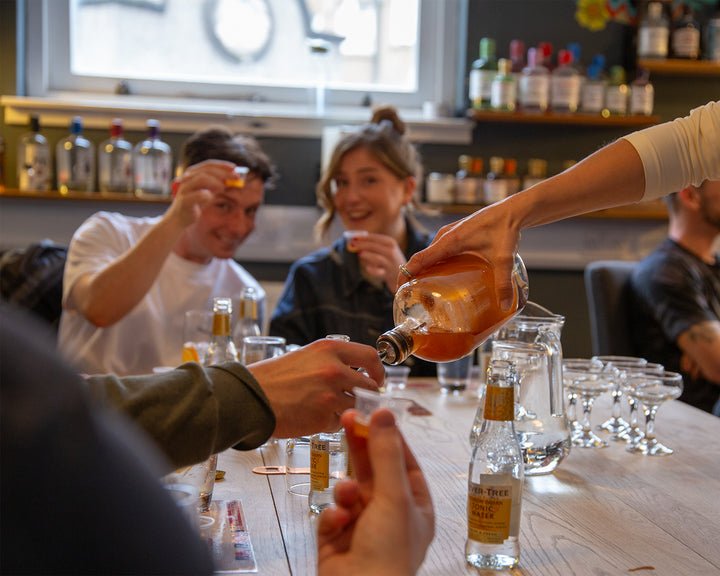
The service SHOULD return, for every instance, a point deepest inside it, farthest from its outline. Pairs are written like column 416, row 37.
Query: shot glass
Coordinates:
column 454, row 376
column 350, row 235
column 396, row 377
column 201, row 477
column 297, row 466
column 367, row 401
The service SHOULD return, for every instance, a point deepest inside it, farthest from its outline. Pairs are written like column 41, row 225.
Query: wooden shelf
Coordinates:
column 91, row 196
column 563, row 119
column 676, row 67
column 651, row 210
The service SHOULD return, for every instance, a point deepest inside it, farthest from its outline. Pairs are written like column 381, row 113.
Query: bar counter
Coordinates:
column 603, row 511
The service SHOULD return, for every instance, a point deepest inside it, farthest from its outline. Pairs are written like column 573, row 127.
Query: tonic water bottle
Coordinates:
column 75, row 160
column 495, row 478
column 448, row 310
column 221, row 347
column 115, row 169
column 33, row 160
column 152, row 159
column 247, row 320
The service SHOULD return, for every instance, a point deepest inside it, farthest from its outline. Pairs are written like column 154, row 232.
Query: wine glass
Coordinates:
column 616, row 423
column 652, row 390
column 632, row 434
column 575, row 368
column 257, row 348
column 589, row 387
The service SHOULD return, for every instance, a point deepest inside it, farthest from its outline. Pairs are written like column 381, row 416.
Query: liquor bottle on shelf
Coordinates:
column 565, row 85
column 642, row 94
column 517, row 58
column 75, row 158
column 495, row 188
column 221, row 347
column 537, row 172
column 448, row 310
column 482, row 74
column 2, row 164
column 534, row 85
column 115, row 169
column 33, row 160
column 503, row 95
column 495, row 477
column 465, row 183
column 685, row 39
column 653, row 33
column 576, row 50
column 592, row 95
column 546, row 55
column 512, row 180
column 477, row 172
column 712, row 38
column 247, row 320
column 152, row 159
column 616, row 93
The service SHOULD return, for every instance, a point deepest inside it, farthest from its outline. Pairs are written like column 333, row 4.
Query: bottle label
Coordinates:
column 642, row 99
column 502, row 95
column 319, row 464
column 565, row 92
column 489, row 509
column 686, row 42
column 221, row 325
column 616, row 99
column 499, row 404
column 593, row 97
column 653, row 41
column 495, row 190
column 534, row 91
column 34, row 162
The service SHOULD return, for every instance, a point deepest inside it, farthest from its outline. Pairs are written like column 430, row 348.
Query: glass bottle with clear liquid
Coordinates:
column 115, row 165
column 75, row 157
column 33, row 160
column 448, row 310
column 247, row 320
column 329, row 461
column 221, row 347
column 495, row 477
column 152, row 159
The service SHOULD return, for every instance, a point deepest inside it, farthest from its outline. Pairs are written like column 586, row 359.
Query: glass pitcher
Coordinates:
column 532, row 341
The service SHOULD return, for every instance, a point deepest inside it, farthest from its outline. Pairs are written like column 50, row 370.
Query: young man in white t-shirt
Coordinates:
column 128, row 281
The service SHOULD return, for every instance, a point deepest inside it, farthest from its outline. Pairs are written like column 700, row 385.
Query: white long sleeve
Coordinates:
column 680, row 153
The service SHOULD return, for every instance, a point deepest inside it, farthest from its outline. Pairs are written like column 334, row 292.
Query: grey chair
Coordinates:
column 607, row 287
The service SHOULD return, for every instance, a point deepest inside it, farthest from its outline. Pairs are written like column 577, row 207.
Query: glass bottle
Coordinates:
column 448, row 310
column 221, row 347
column 685, row 38
column 495, row 478
column 247, row 320
column 33, row 159
column 115, row 170
column 495, row 188
column 653, row 33
column 537, row 172
column 2, row 164
column 477, row 173
column 565, row 85
column 534, row 85
column 642, row 94
column 616, row 93
column 75, row 157
column 329, row 461
column 592, row 95
column 503, row 97
column 465, row 183
column 546, row 55
column 152, row 159
column 517, row 57
column 482, row 73
column 512, row 180
column 712, row 38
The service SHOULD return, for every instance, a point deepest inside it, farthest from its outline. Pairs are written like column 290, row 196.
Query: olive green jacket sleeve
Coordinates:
column 193, row 411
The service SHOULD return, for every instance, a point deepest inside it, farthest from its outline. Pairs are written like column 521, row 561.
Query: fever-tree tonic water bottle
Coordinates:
column 153, row 163
column 115, row 168
column 75, row 157
column 221, row 347
column 495, row 478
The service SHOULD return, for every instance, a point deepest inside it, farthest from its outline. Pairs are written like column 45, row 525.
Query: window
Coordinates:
column 277, row 51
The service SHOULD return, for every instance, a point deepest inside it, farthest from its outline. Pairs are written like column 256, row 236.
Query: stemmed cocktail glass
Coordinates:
column 587, row 388
column 652, row 390
column 575, row 368
column 632, row 434
column 616, row 423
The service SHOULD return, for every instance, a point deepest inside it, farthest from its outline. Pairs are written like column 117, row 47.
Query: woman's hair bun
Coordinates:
column 388, row 114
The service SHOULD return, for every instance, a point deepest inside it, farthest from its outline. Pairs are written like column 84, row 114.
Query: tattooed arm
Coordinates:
column 700, row 345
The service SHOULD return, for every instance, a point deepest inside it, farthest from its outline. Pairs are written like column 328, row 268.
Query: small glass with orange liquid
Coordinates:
column 448, row 310
column 197, row 331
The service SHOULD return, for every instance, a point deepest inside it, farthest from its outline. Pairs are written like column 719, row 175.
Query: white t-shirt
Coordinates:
column 680, row 153
column 151, row 334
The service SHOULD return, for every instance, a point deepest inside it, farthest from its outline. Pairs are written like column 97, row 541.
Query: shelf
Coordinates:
column 672, row 67
column 92, row 196
column 564, row 119
column 652, row 210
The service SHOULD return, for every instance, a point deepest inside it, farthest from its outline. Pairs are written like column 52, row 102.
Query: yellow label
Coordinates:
column 221, row 324
column 499, row 403
column 488, row 511
column 319, row 464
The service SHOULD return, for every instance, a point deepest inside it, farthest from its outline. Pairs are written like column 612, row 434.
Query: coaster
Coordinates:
column 223, row 527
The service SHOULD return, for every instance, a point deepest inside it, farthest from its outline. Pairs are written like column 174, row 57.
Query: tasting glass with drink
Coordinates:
column 257, row 348
column 197, row 331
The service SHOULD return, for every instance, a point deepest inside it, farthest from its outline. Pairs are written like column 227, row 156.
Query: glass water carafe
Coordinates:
column 533, row 343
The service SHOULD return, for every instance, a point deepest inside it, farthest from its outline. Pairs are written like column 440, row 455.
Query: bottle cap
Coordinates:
column 565, row 58
column 533, row 57
column 497, row 164
column 504, row 66
column 477, row 166
column 35, row 123
column 574, row 47
column 116, row 128
column 464, row 162
column 76, row 125
column 517, row 49
column 537, row 167
column 510, row 166
column 487, row 47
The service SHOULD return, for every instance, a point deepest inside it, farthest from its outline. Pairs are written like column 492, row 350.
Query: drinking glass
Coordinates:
column 632, row 434
column 652, row 390
column 616, row 423
column 454, row 376
column 197, row 331
column 201, row 477
column 257, row 348
column 588, row 388
column 575, row 368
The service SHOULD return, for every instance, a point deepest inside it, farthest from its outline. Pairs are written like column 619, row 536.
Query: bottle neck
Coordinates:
column 395, row 345
column 221, row 325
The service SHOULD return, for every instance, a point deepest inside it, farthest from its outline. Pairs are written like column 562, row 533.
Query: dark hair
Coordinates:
column 218, row 143
column 384, row 137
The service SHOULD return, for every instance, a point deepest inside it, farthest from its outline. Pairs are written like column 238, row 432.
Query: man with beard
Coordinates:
column 676, row 321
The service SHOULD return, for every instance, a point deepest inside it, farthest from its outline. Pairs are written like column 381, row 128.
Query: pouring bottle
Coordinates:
column 448, row 310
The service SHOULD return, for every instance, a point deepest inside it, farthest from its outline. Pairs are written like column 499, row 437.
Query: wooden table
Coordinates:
column 603, row 511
